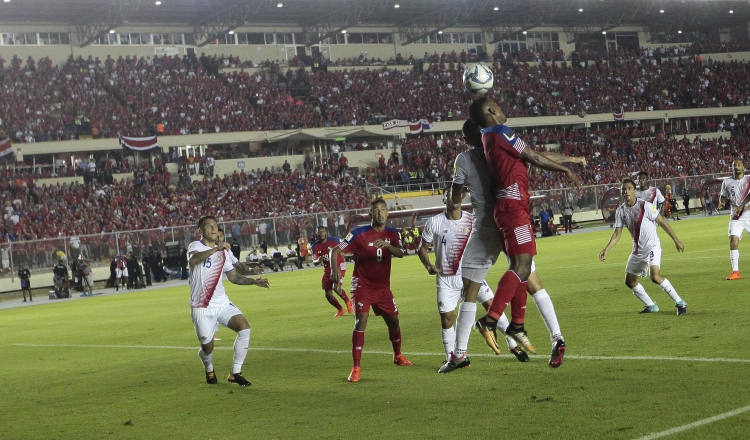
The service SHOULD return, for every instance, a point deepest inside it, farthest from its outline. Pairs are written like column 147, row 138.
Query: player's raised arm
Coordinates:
column 612, row 242
column 540, row 161
column 235, row 277
column 395, row 251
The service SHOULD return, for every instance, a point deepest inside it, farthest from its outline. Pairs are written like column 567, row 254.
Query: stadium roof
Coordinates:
column 686, row 15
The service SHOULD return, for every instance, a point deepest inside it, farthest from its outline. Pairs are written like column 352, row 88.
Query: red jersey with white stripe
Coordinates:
column 372, row 265
column 640, row 219
column 206, row 288
column 322, row 250
column 449, row 238
column 651, row 195
column 502, row 149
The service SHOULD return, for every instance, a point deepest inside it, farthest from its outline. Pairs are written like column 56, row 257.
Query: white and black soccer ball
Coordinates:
column 478, row 79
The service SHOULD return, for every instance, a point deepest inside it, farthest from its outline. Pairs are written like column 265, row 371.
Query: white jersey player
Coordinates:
column 448, row 233
column 648, row 193
column 485, row 245
column 736, row 191
column 640, row 218
column 209, row 259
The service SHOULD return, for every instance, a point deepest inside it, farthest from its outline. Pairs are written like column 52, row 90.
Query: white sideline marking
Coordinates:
column 315, row 350
column 697, row 424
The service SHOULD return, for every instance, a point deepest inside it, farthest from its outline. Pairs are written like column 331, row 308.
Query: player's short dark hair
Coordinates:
column 628, row 180
column 472, row 131
column 478, row 111
column 642, row 173
column 377, row 200
column 204, row 219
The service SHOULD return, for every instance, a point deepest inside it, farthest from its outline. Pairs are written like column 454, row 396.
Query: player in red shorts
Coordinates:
column 321, row 250
column 507, row 155
column 373, row 247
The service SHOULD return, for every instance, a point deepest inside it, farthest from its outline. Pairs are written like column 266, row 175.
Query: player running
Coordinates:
column 641, row 218
column 373, row 247
column 736, row 190
column 448, row 232
column 507, row 156
column 209, row 304
column 321, row 250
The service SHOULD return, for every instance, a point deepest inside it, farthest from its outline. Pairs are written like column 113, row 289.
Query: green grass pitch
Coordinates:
column 126, row 366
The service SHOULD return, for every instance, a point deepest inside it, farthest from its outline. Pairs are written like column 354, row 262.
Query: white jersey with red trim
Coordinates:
column 735, row 190
column 470, row 170
column 651, row 195
column 640, row 219
column 206, row 288
column 449, row 238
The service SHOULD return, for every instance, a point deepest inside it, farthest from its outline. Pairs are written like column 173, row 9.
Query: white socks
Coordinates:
column 641, row 294
column 547, row 310
column 240, row 350
column 449, row 341
column 467, row 314
column 502, row 325
column 734, row 257
column 207, row 360
column 667, row 287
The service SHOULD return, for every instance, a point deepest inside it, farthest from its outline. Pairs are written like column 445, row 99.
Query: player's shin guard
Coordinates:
column 467, row 314
column 207, row 360
column 518, row 304
column 666, row 286
column 358, row 341
column 241, row 343
column 734, row 258
column 641, row 294
column 547, row 310
column 395, row 337
column 449, row 341
column 506, row 289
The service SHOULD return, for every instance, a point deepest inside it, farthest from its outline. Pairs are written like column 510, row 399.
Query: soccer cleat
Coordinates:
column 355, row 374
column 341, row 312
column 211, row 378
column 519, row 334
column 489, row 333
column 735, row 275
column 401, row 361
column 653, row 308
column 519, row 354
column 216, row 339
column 238, row 379
column 349, row 307
column 558, row 351
column 455, row 364
column 681, row 307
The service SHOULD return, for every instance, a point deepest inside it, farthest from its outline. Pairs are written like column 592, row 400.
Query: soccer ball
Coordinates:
column 478, row 79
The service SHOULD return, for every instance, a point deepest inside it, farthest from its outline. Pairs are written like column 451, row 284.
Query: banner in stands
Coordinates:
column 619, row 115
column 139, row 143
column 5, row 147
column 414, row 127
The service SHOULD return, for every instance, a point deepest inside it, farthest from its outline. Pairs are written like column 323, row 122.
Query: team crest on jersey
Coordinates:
column 465, row 230
column 445, row 231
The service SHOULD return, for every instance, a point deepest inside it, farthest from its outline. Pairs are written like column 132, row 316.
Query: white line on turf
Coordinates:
column 697, row 424
column 315, row 350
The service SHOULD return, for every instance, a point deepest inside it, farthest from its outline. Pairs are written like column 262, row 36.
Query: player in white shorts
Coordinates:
column 448, row 233
column 485, row 245
column 208, row 260
column 641, row 218
column 736, row 190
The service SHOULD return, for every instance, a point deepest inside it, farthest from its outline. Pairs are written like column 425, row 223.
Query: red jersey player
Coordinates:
column 373, row 247
column 507, row 155
column 321, row 250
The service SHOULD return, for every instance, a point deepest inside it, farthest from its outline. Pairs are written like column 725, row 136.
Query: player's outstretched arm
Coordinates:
column 612, row 242
column 668, row 229
column 335, row 272
column 243, row 268
column 236, row 278
column 540, row 161
column 424, row 257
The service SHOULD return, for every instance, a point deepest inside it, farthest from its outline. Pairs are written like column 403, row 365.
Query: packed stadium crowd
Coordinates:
column 171, row 95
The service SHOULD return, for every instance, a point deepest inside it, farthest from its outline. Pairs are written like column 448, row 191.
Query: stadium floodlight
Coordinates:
column 496, row 8
column 157, row 3
column 580, row 9
column 396, row 6
column 280, row 5
column 661, row 11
